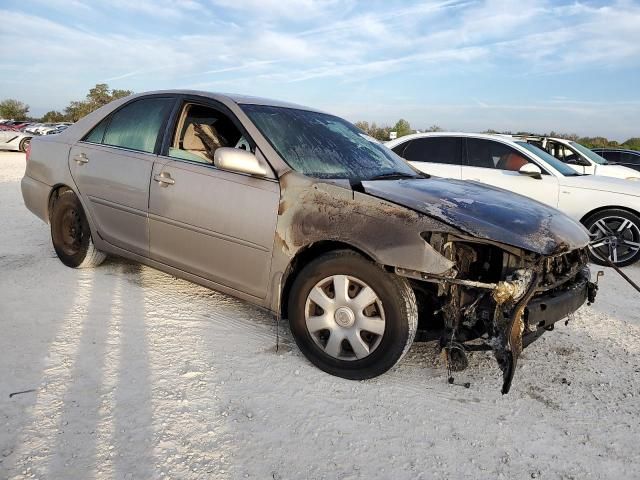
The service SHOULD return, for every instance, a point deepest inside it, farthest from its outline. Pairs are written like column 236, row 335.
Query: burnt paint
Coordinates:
column 486, row 212
column 314, row 210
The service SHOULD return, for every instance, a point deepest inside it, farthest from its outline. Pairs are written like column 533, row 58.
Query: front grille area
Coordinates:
column 559, row 270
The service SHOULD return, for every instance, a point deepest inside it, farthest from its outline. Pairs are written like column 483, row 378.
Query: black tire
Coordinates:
column 24, row 143
column 395, row 295
column 626, row 243
column 71, row 235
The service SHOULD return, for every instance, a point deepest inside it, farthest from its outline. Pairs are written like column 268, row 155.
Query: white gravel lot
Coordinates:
column 136, row 374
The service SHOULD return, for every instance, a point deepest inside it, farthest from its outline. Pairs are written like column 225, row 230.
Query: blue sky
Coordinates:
column 464, row 65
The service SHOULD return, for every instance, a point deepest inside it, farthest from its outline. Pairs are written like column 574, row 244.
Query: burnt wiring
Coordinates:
column 449, row 349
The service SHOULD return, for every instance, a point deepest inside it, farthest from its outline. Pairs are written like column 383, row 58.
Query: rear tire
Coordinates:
column 24, row 144
column 615, row 234
column 71, row 235
column 374, row 322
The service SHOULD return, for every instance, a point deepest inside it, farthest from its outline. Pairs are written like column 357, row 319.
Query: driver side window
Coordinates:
column 562, row 152
column 201, row 131
column 491, row 154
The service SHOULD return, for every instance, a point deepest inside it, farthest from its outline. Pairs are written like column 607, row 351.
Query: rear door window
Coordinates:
column 631, row 158
column 97, row 134
column 447, row 150
column 136, row 126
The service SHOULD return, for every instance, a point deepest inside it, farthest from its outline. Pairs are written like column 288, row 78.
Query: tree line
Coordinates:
column 101, row 94
column 402, row 127
column 98, row 96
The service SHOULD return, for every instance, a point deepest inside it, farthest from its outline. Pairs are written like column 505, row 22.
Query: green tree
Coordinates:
column 97, row 97
column 434, row 128
column 567, row 136
column 380, row 133
column 364, row 126
column 402, row 127
column 632, row 143
column 53, row 116
column 13, row 109
column 76, row 110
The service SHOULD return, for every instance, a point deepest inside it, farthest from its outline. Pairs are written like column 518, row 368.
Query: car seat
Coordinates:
column 512, row 162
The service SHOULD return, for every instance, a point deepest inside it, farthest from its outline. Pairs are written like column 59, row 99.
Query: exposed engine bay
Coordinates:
column 497, row 298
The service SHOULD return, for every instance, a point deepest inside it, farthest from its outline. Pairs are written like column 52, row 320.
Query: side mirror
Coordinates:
column 239, row 161
column 531, row 170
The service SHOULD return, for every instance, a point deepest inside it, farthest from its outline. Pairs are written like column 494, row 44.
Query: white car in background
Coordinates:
column 580, row 158
column 608, row 207
column 14, row 140
column 43, row 128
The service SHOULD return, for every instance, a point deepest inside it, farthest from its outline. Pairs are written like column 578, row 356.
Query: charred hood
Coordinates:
column 485, row 212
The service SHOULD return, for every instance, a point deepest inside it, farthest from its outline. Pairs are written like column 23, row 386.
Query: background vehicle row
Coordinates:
column 608, row 207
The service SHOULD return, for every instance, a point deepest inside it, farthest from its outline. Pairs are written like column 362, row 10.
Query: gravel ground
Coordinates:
column 132, row 373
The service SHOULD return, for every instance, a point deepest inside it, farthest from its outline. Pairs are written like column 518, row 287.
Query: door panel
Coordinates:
column 215, row 224
column 439, row 169
column 114, row 184
column 6, row 135
column 545, row 189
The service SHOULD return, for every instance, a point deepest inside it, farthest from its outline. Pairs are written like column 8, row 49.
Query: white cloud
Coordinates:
column 265, row 44
column 278, row 9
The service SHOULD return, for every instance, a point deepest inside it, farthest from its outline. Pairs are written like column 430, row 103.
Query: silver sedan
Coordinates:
column 301, row 213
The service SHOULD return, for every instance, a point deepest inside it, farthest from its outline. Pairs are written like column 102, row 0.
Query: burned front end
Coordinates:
column 497, row 297
column 490, row 270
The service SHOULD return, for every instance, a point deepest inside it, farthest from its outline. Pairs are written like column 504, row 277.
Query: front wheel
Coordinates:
column 71, row 235
column 351, row 318
column 615, row 235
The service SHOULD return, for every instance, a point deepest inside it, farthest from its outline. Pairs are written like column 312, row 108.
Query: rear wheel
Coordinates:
column 24, row 144
column 615, row 235
column 351, row 318
column 71, row 235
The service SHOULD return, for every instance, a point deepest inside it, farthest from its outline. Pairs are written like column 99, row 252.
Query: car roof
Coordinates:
column 231, row 97
column 486, row 136
column 611, row 149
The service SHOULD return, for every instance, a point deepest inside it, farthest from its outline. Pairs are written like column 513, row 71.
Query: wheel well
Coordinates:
column 609, row 207
column 303, row 258
column 53, row 196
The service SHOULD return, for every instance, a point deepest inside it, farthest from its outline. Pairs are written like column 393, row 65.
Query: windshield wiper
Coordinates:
column 397, row 175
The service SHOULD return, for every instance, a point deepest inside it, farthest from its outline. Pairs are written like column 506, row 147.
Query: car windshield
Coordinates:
column 550, row 159
column 591, row 155
column 324, row 146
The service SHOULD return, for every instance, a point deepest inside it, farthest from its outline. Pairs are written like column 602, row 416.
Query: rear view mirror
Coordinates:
column 239, row 161
column 530, row 170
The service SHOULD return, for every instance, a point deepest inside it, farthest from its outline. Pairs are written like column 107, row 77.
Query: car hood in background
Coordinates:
column 616, row 171
column 604, row 184
column 486, row 212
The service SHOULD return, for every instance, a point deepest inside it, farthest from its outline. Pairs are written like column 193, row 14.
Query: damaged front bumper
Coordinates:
column 544, row 310
column 537, row 311
column 528, row 295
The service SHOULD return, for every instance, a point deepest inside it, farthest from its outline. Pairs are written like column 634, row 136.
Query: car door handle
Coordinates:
column 81, row 159
column 164, row 179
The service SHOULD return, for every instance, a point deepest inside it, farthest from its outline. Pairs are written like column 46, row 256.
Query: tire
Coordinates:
column 24, row 143
column 366, row 353
column 71, row 235
column 615, row 234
